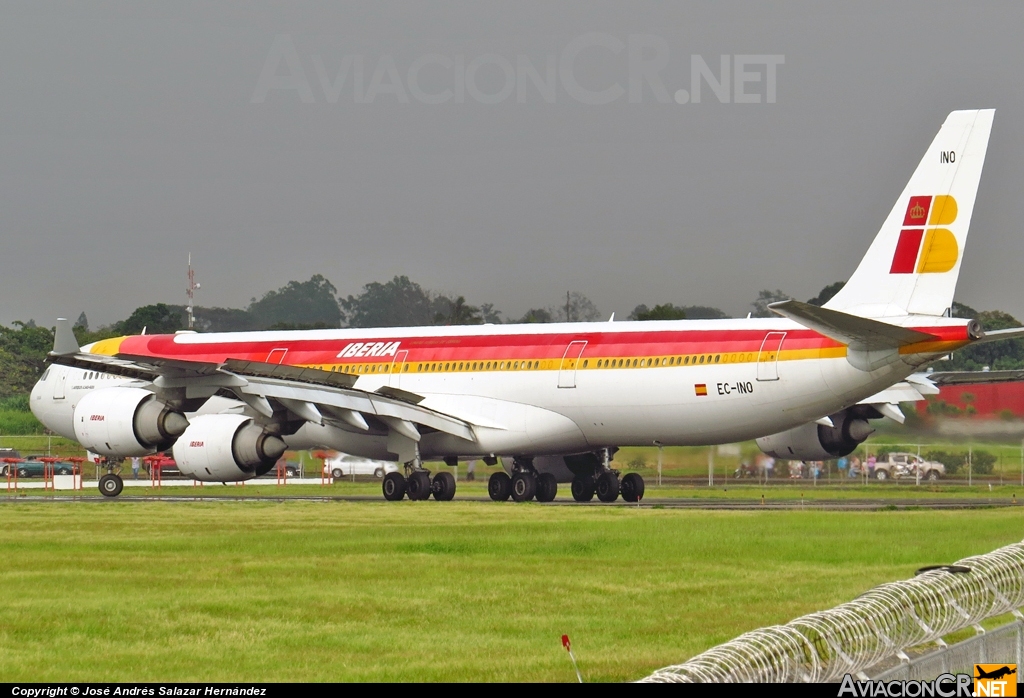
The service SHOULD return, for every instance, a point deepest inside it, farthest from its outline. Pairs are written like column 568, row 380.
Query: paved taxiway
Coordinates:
column 662, row 503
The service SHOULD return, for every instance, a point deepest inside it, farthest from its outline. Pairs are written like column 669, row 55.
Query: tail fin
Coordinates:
column 913, row 264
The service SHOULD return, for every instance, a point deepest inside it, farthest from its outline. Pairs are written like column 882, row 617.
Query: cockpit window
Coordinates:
column 45, row 374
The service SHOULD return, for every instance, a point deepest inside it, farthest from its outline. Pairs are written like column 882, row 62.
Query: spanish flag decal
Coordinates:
column 701, row 389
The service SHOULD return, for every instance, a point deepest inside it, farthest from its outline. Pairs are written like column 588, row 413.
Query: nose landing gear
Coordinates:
column 111, row 485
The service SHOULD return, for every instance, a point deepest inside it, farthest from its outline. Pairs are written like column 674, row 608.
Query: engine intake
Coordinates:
column 118, row 422
column 226, row 448
column 818, row 442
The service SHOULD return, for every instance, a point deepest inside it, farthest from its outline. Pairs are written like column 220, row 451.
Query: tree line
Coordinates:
column 402, row 302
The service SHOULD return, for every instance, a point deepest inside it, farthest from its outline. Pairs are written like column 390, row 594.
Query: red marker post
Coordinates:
column 568, row 648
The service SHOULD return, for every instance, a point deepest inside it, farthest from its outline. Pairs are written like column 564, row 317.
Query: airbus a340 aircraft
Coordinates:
column 558, row 398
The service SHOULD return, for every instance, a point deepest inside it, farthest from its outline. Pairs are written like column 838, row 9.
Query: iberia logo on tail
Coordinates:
column 923, row 249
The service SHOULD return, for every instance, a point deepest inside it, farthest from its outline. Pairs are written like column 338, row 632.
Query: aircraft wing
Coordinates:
column 307, row 393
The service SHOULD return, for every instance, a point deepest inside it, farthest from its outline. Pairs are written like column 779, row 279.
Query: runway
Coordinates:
column 653, row 503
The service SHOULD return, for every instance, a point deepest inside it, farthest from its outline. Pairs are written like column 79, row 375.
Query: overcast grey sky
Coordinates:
column 131, row 134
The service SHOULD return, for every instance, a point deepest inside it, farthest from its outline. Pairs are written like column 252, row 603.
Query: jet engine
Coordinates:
column 121, row 422
column 819, row 442
column 226, row 448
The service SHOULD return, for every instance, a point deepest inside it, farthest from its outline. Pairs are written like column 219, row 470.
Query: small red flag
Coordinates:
column 566, row 644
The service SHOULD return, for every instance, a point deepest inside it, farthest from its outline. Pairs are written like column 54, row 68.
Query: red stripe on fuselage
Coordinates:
column 304, row 351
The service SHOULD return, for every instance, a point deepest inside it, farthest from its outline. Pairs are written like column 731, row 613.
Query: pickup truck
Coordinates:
column 897, row 465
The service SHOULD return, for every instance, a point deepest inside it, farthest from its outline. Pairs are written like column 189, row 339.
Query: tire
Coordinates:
column 881, row 475
column 933, row 475
column 582, row 489
column 378, row 473
column 337, row 473
column 608, row 487
column 111, row 485
column 632, row 487
column 419, row 486
column 63, row 471
column 524, row 486
column 22, row 472
column 291, row 472
column 499, row 487
column 394, row 487
column 547, row 487
column 443, row 487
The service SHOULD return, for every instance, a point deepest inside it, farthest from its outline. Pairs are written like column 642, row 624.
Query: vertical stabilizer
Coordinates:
column 913, row 264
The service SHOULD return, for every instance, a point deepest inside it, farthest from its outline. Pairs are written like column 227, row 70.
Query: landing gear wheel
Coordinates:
column 111, row 485
column 499, row 487
column 632, row 487
column 608, row 486
column 524, row 486
column 394, row 487
column 547, row 487
column 582, row 489
column 443, row 487
column 419, row 485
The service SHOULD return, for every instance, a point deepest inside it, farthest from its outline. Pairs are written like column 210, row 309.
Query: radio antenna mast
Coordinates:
column 190, row 294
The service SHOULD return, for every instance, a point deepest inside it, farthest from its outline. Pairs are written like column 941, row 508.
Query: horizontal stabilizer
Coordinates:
column 854, row 331
column 972, row 377
column 871, row 344
column 996, row 335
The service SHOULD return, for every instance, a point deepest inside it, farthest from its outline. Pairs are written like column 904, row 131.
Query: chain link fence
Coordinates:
column 857, row 635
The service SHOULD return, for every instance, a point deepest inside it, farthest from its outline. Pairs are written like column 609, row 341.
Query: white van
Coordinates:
column 344, row 465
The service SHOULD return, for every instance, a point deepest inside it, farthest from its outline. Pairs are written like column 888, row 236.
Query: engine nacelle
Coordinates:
column 816, row 441
column 226, row 448
column 119, row 422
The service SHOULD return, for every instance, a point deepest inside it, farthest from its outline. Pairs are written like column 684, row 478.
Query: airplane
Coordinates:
column 995, row 673
column 559, row 398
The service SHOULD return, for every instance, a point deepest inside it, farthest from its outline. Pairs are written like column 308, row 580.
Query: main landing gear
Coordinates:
column 594, row 476
column 607, row 486
column 418, row 485
column 525, row 484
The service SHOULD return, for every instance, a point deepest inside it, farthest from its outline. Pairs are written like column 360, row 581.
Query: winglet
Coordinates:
column 64, row 342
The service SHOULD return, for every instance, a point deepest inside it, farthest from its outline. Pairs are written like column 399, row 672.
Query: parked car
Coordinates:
column 343, row 465
column 291, row 468
column 898, row 465
column 34, row 468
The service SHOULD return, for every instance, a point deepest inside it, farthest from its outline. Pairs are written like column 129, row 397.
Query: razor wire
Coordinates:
column 882, row 622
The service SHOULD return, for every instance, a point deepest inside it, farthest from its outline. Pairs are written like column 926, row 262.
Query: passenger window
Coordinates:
column 702, row 359
column 585, row 362
column 717, row 357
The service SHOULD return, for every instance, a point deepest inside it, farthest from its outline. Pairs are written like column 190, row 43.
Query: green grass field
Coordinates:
column 311, row 591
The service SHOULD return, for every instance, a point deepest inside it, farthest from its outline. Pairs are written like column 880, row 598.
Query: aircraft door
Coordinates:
column 768, row 357
column 567, row 369
column 276, row 356
column 397, row 368
column 58, row 386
